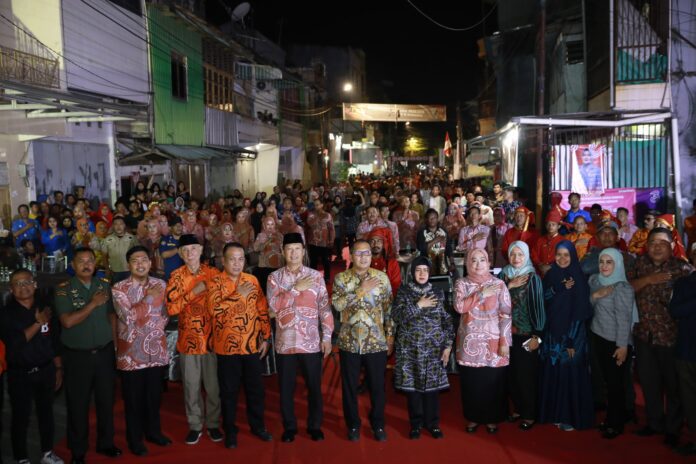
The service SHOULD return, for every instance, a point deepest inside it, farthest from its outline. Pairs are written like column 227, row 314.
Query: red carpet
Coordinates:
column 543, row 444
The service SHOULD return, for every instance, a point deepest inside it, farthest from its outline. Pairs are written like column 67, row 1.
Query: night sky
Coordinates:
column 409, row 58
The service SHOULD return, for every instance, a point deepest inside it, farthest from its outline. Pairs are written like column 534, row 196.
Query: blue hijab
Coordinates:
column 619, row 274
column 567, row 306
column 510, row 271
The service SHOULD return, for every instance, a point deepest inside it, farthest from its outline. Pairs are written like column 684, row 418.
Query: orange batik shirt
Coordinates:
column 237, row 321
column 573, row 237
column 194, row 319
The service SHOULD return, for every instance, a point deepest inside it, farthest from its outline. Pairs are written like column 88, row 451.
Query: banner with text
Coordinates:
column 636, row 201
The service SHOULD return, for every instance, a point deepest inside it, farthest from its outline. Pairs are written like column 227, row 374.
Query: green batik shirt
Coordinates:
column 93, row 332
column 366, row 323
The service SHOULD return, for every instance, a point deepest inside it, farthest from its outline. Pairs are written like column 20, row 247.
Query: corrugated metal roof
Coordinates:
column 190, row 153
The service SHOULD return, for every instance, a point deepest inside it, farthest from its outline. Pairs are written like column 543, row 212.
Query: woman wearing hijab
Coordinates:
column 483, row 342
column 423, row 344
column 269, row 245
column 257, row 216
column 614, row 303
column 565, row 388
column 528, row 318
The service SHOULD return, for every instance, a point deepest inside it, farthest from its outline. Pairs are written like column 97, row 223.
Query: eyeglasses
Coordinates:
column 22, row 283
column 362, row 253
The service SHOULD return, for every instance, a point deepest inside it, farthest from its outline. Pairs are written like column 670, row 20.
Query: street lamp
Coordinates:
column 348, row 87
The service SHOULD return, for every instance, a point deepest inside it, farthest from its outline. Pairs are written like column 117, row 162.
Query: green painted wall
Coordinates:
column 177, row 121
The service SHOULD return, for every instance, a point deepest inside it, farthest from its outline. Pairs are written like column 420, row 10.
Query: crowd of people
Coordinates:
column 548, row 317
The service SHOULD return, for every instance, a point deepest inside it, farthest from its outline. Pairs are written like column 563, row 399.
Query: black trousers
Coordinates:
column 522, row 379
column 375, row 365
column 687, row 389
column 310, row 367
column 142, row 396
column 657, row 373
column 88, row 372
column 423, row 409
column 317, row 253
column 2, row 400
column 24, row 387
column 232, row 371
column 614, row 377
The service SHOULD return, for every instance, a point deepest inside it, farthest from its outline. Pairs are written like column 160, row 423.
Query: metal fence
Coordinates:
column 631, row 156
column 28, row 68
column 642, row 30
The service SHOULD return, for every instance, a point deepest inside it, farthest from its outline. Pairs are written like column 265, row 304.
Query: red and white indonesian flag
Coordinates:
column 448, row 145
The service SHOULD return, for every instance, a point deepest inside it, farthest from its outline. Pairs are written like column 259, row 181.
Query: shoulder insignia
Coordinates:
column 104, row 279
column 64, row 284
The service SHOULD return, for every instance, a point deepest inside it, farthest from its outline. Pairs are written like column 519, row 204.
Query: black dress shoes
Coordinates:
column 436, row 433
column 610, row 433
column 354, row 434
column 380, row 434
column 646, row 431
column 315, row 434
column 415, row 433
column 288, row 436
column 230, row 440
column 262, row 434
column 138, row 449
column 111, row 451
column 524, row 425
column 159, row 440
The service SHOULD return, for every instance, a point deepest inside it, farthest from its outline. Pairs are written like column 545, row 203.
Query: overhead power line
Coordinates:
column 454, row 29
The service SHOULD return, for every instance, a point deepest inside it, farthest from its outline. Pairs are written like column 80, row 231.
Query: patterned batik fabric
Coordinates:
column 320, row 229
column 655, row 323
column 194, row 318
column 366, row 323
column 303, row 319
column 270, row 249
column 142, row 318
column 422, row 334
column 485, row 324
column 239, row 323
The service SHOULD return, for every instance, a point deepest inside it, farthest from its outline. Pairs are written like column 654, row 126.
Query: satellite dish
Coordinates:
column 240, row 11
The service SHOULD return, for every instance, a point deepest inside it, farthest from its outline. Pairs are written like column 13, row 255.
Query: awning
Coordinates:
column 191, row 153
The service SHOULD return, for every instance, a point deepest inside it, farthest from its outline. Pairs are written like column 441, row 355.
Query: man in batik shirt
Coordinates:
column 141, row 351
column 652, row 278
column 304, row 324
column 186, row 298
column 362, row 296
column 240, row 338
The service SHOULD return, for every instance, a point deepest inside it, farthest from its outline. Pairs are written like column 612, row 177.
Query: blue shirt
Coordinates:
column 173, row 263
column 58, row 242
column 581, row 212
column 30, row 234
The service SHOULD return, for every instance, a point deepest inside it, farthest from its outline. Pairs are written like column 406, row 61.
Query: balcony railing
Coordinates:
column 27, row 68
column 641, row 41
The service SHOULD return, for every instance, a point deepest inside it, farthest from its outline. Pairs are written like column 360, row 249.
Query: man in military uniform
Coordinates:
column 86, row 313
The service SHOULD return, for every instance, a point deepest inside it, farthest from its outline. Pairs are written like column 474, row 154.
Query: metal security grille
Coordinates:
column 635, row 156
column 641, row 41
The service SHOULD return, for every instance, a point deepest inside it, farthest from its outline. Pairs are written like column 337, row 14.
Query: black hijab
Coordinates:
column 567, row 306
